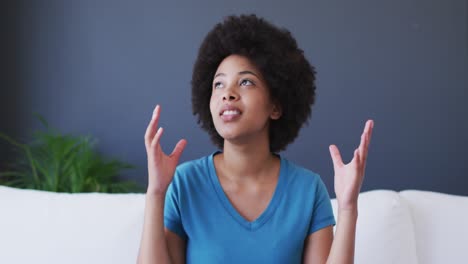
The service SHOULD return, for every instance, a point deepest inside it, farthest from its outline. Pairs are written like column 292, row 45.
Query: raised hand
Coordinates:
column 161, row 167
column 349, row 177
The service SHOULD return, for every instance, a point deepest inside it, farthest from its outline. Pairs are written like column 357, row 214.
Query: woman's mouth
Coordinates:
column 230, row 114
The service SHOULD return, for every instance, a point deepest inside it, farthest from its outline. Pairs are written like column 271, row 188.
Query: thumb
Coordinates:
column 178, row 149
column 336, row 156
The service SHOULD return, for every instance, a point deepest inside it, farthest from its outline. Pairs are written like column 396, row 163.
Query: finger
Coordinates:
column 360, row 165
column 371, row 129
column 178, row 149
column 357, row 156
column 368, row 135
column 362, row 144
column 336, row 156
column 157, row 137
column 365, row 140
column 151, row 129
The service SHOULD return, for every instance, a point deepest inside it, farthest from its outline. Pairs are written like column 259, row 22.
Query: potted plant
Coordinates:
column 64, row 163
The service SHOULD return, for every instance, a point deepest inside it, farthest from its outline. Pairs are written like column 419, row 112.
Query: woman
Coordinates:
column 252, row 90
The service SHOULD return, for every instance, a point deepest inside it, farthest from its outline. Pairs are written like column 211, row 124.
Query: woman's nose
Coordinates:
column 230, row 95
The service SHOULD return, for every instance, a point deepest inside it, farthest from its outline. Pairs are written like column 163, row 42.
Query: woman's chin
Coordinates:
column 228, row 137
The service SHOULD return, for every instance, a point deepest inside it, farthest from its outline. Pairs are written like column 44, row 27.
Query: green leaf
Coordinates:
column 55, row 162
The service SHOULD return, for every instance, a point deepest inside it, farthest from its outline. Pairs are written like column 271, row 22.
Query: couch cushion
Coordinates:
column 384, row 231
column 46, row 227
column 440, row 226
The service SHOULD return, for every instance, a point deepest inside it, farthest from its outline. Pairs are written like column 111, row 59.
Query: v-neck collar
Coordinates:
column 266, row 214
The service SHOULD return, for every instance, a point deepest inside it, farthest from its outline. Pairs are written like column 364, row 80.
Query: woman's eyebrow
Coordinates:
column 240, row 73
column 219, row 74
column 248, row 72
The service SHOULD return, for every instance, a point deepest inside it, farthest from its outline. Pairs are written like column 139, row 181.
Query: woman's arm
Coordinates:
column 321, row 247
column 157, row 244
column 342, row 250
column 317, row 246
column 348, row 181
column 153, row 246
column 176, row 246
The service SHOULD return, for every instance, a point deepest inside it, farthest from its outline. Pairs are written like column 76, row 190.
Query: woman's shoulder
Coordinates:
column 299, row 173
column 194, row 171
column 304, row 182
column 193, row 165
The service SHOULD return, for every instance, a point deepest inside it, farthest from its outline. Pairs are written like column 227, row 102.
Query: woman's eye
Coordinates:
column 246, row 82
column 217, row 85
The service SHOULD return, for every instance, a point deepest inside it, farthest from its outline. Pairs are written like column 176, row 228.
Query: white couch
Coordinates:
column 393, row 227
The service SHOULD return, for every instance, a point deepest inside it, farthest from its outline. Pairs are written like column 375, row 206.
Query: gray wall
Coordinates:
column 9, row 75
column 99, row 67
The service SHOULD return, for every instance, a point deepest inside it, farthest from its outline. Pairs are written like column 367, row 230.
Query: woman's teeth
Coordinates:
column 231, row 112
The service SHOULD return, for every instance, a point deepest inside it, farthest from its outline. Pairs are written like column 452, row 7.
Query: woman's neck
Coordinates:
column 247, row 162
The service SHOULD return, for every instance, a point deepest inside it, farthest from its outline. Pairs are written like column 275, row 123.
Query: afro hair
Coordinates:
column 289, row 76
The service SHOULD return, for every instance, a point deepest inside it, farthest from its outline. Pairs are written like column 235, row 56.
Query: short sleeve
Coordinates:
column 322, row 215
column 172, row 213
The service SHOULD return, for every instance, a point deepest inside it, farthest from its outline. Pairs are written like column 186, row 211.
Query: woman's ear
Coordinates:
column 277, row 111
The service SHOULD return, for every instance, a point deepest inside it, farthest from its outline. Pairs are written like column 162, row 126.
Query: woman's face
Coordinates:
column 240, row 102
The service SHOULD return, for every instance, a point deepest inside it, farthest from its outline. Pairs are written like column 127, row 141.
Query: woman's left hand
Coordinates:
column 349, row 177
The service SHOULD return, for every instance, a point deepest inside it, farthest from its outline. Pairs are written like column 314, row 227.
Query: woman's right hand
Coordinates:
column 161, row 167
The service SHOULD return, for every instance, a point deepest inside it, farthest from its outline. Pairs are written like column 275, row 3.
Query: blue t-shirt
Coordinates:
column 198, row 210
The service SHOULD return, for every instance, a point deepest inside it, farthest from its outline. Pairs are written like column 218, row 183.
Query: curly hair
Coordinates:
column 288, row 75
